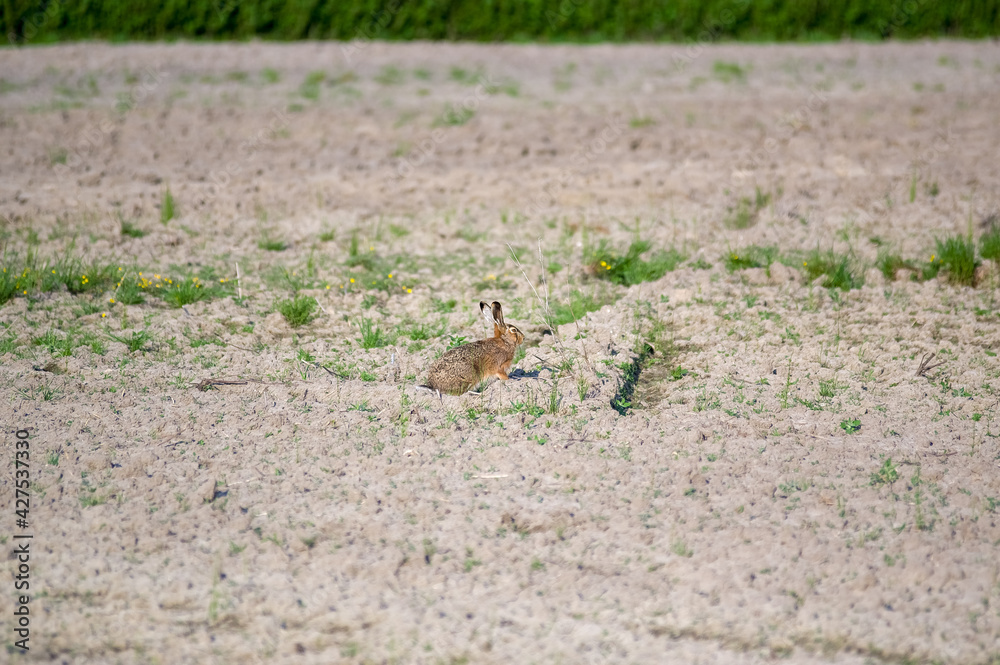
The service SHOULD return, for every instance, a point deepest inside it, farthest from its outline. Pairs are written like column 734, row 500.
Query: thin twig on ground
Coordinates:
column 205, row 384
column 327, row 369
column 925, row 364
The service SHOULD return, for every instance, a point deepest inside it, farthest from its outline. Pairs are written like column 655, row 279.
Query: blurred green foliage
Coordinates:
column 26, row 21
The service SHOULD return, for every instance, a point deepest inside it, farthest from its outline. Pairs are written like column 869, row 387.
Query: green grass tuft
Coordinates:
column 837, row 269
column 728, row 72
column 745, row 214
column 889, row 263
column 375, row 272
column 310, row 86
column 390, row 75
column 8, row 344
column 630, row 268
column 425, row 331
column 135, row 342
column 128, row 291
column 270, row 244
column 752, row 256
column 575, row 305
column 298, row 311
column 183, row 292
column 58, row 345
column 372, row 336
column 742, row 216
column 989, row 243
column 454, row 116
column 168, row 208
column 957, row 255
column 443, row 306
column 33, row 275
column 887, row 474
column 10, row 279
column 131, row 230
column 358, row 259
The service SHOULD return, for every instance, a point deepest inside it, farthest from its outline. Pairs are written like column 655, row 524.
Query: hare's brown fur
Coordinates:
column 465, row 366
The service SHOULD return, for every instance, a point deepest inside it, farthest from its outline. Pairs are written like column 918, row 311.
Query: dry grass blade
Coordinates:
column 544, row 303
column 925, row 364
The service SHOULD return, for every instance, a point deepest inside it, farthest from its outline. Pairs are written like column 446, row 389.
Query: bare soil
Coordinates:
column 782, row 484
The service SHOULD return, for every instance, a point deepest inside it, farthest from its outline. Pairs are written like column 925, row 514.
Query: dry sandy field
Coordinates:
column 232, row 264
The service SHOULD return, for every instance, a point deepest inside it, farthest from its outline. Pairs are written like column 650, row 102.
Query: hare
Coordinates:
column 465, row 366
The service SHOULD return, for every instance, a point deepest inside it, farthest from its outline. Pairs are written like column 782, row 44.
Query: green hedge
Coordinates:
column 26, row 22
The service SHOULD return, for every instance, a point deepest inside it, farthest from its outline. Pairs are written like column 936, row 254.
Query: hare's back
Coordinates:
column 457, row 370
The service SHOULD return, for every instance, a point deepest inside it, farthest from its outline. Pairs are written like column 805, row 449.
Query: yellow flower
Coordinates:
column 53, row 270
column 932, row 258
column 390, row 275
column 103, row 314
column 156, row 277
column 111, row 300
column 409, row 290
column 327, row 287
column 352, row 280
column 804, row 263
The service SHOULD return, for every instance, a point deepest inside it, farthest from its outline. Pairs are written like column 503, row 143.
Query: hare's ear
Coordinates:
column 488, row 315
column 498, row 317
